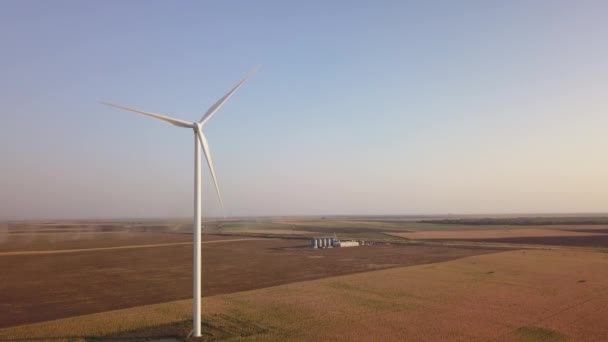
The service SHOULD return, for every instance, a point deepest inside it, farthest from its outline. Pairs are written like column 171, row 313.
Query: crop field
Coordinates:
column 54, row 274
column 525, row 221
column 595, row 237
column 496, row 234
column 542, row 232
column 594, row 241
column 132, row 280
column 345, row 227
column 506, row 296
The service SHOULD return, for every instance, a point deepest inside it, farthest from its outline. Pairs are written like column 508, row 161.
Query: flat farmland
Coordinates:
column 81, row 240
column 507, row 296
column 138, row 268
column 517, row 295
column 24, row 242
column 591, row 241
column 494, row 234
column 566, row 236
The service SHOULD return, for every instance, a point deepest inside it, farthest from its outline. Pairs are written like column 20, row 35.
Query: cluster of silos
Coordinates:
column 322, row 242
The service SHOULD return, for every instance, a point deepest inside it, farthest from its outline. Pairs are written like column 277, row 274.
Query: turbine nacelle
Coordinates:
column 196, row 126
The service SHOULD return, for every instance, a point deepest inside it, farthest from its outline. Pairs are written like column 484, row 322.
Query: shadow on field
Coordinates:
column 86, row 338
column 216, row 327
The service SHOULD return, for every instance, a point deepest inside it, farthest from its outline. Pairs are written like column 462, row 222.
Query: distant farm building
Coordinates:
column 347, row 244
column 332, row 241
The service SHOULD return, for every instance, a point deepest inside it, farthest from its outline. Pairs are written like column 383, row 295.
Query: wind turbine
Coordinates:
column 200, row 141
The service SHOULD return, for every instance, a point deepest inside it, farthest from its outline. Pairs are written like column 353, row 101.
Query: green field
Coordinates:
column 347, row 229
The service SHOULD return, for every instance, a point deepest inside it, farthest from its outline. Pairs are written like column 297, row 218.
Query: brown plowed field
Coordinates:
column 595, row 241
column 37, row 288
column 59, row 241
column 495, row 234
column 591, row 230
column 96, row 249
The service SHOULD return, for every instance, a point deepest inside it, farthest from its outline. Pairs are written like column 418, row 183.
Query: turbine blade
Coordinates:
column 216, row 106
column 176, row 122
column 207, row 152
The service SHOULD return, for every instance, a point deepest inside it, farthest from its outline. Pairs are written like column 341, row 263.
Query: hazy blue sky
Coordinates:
column 362, row 107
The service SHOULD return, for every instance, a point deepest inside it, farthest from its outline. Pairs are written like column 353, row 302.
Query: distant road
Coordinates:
column 61, row 251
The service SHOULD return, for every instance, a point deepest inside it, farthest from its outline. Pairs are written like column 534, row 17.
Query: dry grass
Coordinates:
column 517, row 295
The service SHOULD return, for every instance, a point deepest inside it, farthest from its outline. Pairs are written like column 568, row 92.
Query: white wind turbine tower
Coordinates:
column 199, row 141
